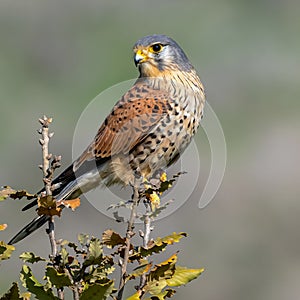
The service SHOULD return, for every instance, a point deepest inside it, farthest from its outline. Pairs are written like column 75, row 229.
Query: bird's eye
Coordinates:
column 156, row 48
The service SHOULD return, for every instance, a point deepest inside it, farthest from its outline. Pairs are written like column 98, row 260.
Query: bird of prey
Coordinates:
column 147, row 129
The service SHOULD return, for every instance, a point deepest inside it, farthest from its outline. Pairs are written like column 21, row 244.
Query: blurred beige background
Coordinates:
column 56, row 56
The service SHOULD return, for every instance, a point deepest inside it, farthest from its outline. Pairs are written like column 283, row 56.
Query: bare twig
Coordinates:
column 147, row 225
column 75, row 292
column 129, row 235
column 74, row 287
column 48, row 170
column 44, row 141
column 51, row 235
column 47, row 178
column 146, row 236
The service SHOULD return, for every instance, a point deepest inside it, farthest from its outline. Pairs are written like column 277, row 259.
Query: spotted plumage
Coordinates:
column 146, row 130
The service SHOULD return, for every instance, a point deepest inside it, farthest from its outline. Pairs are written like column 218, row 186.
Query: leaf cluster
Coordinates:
column 83, row 268
column 88, row 267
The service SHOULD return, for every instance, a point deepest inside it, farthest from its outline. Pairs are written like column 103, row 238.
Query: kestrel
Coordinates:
column 147, row 129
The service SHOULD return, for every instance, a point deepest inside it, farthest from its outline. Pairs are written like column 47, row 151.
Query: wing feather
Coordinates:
column 131, row 120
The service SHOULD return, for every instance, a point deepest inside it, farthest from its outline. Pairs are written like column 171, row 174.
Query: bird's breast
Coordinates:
column 170, row 136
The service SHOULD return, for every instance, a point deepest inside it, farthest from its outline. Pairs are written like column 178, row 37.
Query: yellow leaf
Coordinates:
column 170, row 261
column 154, row 200
column 111, row 239
column 170, row 239
column 26, row 295
column 163, row 270
column 73, row 203
column 7, row 191
column 183, row 275
column 135, row 296
column 163, row 177
column 140, row 270
column 47, row 206
column 5, row 250
column 3, row 227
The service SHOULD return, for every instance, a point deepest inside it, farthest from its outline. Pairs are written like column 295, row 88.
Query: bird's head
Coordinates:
column 159, row 54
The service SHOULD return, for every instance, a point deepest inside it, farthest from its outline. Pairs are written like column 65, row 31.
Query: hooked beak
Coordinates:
column 139, row 57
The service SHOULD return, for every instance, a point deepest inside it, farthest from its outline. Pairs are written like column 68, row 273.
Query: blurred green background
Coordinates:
column 56, row 56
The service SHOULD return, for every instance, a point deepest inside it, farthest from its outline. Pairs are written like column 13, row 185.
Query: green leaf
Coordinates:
column 156, row 279
column 30, row 257
column 183, row 275
column 83, row 239
column 75, row 248
column 164, row 270
column 97, row 291
column 64, row 256
column 32, row 285
column 155, row 287
column 94, row 253
column 106, row 267
column 157, row 246
column 5, row 250
column 152, row 249
column 12, row 294
column 142, row 252
column 167, row 293
column 57, row 279
column 100, row 274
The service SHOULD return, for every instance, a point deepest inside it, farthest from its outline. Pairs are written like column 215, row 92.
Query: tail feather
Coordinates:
column 28, row 229
column 31, row 204
column 66, row 186
column 60, row 181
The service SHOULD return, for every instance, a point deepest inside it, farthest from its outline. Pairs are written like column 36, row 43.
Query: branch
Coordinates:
column 147, row 225
column 129, row 235
column 44, row 141
column 146, row 236
column 48, row 171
